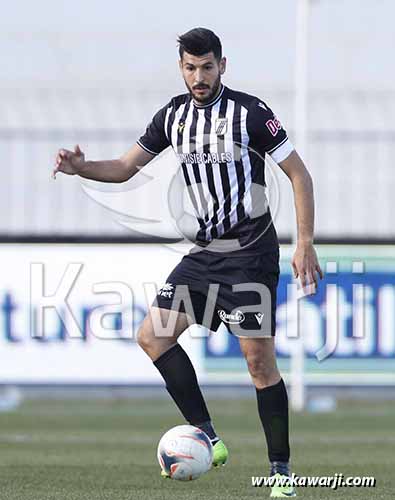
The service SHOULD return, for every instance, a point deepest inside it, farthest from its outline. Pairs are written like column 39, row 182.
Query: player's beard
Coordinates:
column 213, row 92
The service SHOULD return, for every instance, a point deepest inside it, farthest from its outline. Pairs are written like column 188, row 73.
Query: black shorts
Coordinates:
column 212, row 283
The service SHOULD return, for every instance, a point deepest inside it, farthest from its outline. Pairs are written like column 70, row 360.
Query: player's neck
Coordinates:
column 212, row 100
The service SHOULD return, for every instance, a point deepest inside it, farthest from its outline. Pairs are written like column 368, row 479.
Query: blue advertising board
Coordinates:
column 351, row 340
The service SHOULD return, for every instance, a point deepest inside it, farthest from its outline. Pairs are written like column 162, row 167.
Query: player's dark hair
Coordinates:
column 200, row 41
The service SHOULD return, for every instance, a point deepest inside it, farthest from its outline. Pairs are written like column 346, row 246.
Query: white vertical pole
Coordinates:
column 297, row 399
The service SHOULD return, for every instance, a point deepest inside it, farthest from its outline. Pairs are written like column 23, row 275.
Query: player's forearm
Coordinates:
column 106, row 171
column 304, row 204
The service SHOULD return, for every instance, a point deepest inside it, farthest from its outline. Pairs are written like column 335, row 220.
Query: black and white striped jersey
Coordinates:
column 221, row 147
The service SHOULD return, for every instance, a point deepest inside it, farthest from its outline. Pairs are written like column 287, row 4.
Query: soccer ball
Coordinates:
column 185, row 452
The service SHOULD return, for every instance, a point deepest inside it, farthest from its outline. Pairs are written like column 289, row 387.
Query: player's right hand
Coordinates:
column 69, row 162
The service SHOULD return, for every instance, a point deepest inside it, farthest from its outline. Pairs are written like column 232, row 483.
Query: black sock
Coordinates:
column 208, row 428
column 181, row 382
column 273, row 411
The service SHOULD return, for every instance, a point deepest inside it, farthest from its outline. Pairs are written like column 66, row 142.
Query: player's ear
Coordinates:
column 222, row 66
column 180, row 64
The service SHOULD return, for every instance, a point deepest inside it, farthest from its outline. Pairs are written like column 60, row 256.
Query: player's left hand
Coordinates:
column 305, row 265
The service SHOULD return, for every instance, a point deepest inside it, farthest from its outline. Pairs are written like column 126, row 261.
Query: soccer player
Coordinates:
column 220, row 137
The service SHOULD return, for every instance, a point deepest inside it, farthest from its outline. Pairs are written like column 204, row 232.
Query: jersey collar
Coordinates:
column 211, row 103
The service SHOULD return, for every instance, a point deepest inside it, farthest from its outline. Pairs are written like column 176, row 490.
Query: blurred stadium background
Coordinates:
column 94, row 73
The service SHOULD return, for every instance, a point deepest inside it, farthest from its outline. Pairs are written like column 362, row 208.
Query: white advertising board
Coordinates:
column 75, row 353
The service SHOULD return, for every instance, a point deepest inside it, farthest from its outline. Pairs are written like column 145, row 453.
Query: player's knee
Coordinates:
column 256, row 365
column 261, row 369
column 152, row 344
column 145, row 338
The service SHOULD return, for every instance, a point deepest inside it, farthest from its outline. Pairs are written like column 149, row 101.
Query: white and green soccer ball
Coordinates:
column 185, row 452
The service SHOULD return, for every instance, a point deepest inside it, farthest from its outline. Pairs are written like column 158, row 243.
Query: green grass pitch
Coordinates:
column 106, row 449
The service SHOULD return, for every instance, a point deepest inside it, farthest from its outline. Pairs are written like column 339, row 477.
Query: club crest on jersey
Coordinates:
column 221, row 126
column 181, row 126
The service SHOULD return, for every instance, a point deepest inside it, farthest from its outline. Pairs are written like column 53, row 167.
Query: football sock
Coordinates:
column 180, row 377
column 280, row 468
column 273, row 412
column 208, row 428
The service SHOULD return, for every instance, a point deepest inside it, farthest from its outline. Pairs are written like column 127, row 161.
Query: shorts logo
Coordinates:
column 167, row 290
column 259, row 317
column 221, row 126
column 233, row 319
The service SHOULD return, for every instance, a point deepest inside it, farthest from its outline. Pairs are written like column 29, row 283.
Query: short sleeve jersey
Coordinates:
column 221, row 147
